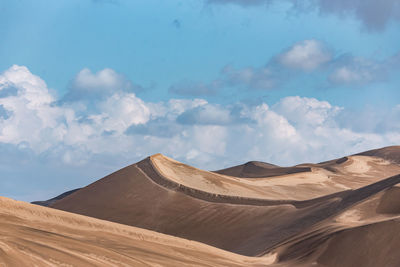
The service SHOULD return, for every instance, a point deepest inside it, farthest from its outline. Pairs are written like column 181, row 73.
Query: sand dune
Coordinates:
column 251, row 217
column 131, row 197
column 256, row 169
column 391, row 153
column 366, row 234
column 31, row 235
column 319, row 180
column 48, row 202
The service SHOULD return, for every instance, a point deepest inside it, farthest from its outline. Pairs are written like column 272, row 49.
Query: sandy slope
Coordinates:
column 390, row 153
column 355, row 172
column 367, row 234
column 131, row 197
column 364, row 234
column 31, row 235
column 251, row 217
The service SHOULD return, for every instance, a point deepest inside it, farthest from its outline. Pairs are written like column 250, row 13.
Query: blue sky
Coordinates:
column 87, row 87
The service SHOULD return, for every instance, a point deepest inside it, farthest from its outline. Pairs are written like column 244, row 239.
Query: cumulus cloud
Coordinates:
column 121, row 111
column 374, row 14
column 306, row 55
column 35, row 120
column 88, row 85
column 31, row 119
column 126, row 128
column 306, row 111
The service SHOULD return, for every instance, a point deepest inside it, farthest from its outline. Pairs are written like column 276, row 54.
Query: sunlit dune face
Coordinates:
column 357, row 171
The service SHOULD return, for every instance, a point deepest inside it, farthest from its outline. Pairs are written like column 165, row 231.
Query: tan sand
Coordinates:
column 31, row 235
column 296, row 186
column 342, row 212
column 366, row 234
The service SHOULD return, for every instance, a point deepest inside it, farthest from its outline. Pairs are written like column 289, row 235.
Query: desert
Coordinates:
column 200, row 133
column 160, row 212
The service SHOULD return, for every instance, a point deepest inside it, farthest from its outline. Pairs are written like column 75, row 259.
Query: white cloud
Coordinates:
column 35, row 120
column 209, row 139
column 206, row 114
column 126, row 128
column 178, row 106
column 273, row 124
column 88, row 85
column 31, row 117
column 303, row 111
column 306, row 55
column 106, row 79
column 120, row 111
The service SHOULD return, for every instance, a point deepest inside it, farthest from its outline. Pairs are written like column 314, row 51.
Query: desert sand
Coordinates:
column 299, row 183
column 38, row 236
column 342, row 212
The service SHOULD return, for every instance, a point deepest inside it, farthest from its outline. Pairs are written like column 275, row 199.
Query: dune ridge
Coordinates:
column 322, row 179
column 175, row 203
column 258, row 169
column 328, row 214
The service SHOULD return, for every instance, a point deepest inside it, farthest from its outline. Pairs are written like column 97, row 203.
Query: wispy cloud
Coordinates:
column 306, row 58
column 375, row 15
column 351, row 70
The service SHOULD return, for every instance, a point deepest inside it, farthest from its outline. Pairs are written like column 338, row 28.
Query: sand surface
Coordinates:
column 366, row 234
column 31, row 235
column 356, row 172
column 342, row 212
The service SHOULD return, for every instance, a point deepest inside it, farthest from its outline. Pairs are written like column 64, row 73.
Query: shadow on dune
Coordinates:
column 139, row 196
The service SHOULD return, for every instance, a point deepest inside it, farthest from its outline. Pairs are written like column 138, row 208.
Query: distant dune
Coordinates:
column 48, row 202
column 391, row 153
column 257, row 169
column 289, row 216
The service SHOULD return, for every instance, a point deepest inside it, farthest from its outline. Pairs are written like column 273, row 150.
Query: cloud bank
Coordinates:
column 123, row 126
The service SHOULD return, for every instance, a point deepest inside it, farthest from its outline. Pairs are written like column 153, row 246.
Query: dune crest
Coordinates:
column 315, row 180
column 314, row 217
column 248, row 216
